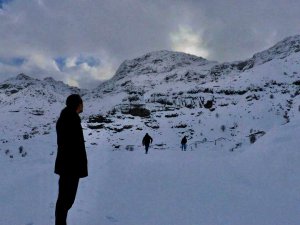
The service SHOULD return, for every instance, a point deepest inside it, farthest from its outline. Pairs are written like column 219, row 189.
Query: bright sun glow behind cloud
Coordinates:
column 72, row 82
column 188, row 41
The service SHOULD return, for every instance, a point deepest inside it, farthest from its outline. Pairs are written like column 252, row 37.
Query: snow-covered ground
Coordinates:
column 259, row 186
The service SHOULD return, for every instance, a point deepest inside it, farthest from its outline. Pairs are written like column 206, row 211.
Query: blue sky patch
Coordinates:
column 15, row 61
column 2, row 2
column 90, row 60
column 60, row 62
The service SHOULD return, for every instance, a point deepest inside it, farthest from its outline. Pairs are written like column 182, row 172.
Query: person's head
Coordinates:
column 74, row 102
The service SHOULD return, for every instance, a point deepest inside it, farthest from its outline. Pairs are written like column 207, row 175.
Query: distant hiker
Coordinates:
column 71, row 160
column 146, row 142
column 183, row 143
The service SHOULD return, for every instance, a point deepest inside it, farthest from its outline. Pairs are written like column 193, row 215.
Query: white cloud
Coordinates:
column 42, row 62
column 86, row 76
column 71, row 62
column 98, row 73
column 113, row 31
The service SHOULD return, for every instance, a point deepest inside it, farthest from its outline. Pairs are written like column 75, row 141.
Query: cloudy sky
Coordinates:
column 82, row 42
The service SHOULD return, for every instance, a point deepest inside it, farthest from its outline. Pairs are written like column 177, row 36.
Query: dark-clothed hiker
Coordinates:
column 71, row 160
column 183, row 143
column 147, row 140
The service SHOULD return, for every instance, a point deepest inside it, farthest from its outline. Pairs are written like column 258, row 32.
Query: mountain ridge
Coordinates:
column 280, row 50
column 171, row 92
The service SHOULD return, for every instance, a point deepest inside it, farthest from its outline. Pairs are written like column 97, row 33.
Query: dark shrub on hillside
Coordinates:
column 254, row 136
column 133, row 98
column 164, row 101
column 98, row 119
column 208, row 104
column 171, row 115
column 96, row 127
column 296, row 82
column 138, row 111
column 180, row 125
column 232, row 92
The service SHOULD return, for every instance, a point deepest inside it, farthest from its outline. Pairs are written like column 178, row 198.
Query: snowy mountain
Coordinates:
column 221, row 106
column 232, row 113
column 281, row 50
column 153, row 68
column 30, row 105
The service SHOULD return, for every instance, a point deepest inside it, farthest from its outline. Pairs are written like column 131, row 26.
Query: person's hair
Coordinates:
column 73, row 101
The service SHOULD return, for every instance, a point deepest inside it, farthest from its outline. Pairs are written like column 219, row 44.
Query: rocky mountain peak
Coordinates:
column 23, row 86
column 279, row 51
column 158, row 62
column 49, row 79
column 24, row 77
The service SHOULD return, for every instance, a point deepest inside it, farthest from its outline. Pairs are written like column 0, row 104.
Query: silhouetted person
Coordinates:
column 71, row 160
column 146, row 142
column 183, row 143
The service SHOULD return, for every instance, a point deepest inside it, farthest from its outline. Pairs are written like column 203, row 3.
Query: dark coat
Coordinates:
column 183, row 141
column 71, row 157
column 147, row 140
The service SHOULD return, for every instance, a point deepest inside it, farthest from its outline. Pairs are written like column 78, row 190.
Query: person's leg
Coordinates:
column 146, row 147
column 66, row 197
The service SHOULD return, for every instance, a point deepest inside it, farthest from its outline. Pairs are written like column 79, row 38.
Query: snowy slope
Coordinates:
column 246, row 103
column 241, row 119
column 258, row 186
column 30, row 106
